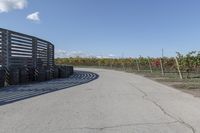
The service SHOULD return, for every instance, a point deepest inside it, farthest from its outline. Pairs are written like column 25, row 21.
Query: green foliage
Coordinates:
column 189, row 62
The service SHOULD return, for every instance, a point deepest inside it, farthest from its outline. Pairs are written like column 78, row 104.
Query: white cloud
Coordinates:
column 111, row 56
column 67, row 54
column 9, row 5
column 34, row 17
column 64, row 53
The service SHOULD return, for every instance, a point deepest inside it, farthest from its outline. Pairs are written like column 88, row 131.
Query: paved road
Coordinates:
column 116, row 102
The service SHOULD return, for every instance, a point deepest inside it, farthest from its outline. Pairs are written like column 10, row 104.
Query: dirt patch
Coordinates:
column 191, row 86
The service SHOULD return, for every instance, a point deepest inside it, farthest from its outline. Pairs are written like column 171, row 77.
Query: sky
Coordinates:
column 114, row 28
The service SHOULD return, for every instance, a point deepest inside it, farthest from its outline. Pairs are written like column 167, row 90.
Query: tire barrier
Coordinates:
column 56, row 73
column 51, row 73
column 24, row 58
column 7, row 77
column 31, row 74
column 2, row 77
column 16, row 93
column 14, row 77
column 70, row 70
column 47, row 75
column 36, row 74
column 42, row 75
column 22, row 75
column 65, row 71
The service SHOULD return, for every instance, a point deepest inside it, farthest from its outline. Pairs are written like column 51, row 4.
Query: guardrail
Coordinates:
column 25, row 58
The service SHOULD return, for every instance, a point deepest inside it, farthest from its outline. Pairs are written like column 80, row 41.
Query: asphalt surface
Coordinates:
column 20, row 92
column 116, row 102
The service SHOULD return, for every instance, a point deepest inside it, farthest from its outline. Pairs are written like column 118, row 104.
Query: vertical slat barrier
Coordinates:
column 1, row 55
column 42, row 59
column 51, row 60
column 34, row 69
column 31, row 56
column 4, row 45
column 25, row 58
column 21, row 50
column 6, row 55
column 2, row 72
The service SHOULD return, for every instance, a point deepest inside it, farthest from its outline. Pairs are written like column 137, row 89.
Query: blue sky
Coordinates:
column 126, row 28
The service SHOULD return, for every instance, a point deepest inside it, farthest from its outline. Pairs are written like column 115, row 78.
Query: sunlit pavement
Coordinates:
column 116, row 102
column 20, row 92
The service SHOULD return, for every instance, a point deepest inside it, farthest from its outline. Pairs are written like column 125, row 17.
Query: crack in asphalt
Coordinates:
column 145, row 96
column 122, row 125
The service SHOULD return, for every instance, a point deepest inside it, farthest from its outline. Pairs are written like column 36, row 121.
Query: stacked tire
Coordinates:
column 21, row 75
column 14, row 76
column 65, row 71
column 24, row 75
column 56, row 72
column 2, row 77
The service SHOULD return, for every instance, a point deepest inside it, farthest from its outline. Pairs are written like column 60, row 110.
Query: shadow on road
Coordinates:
column 20, row 92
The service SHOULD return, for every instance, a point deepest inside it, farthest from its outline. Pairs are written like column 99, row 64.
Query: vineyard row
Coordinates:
column 189, row 63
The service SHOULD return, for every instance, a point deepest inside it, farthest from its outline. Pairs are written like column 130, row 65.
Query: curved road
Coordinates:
column 116, row 102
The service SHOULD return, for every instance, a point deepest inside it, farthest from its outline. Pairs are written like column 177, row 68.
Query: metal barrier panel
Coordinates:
column 42, row 53
column 21, row 50
column 1, row 57
column 25, row 58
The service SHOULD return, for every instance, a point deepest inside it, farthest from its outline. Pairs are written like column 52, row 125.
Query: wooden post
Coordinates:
column 99, row 63
column 178, row 67
column 123, row 66
column 138, row 65
column 111, row 64
column 150, row 65
column 161, row 67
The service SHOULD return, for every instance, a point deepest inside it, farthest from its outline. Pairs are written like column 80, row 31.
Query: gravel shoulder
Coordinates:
column 190, row 86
